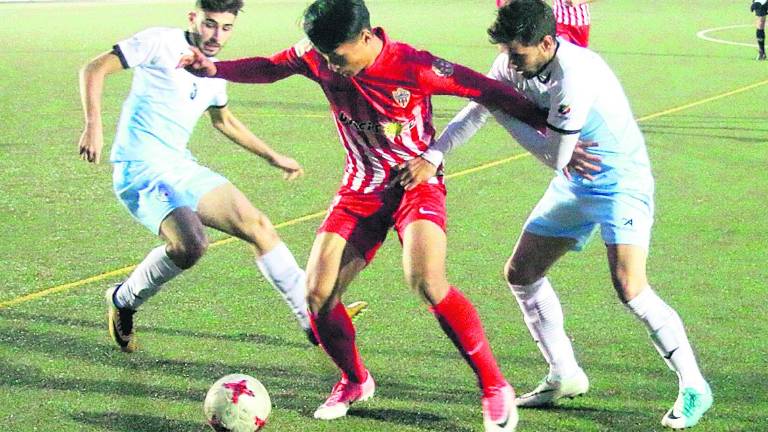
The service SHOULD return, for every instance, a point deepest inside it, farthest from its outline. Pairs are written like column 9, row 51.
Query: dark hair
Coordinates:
column 231, row 6
column 523, row 21
column 330, row 23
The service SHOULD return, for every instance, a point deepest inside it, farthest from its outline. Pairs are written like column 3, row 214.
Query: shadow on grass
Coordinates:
column 427, row 421
column 234, row 337
column 112, row 421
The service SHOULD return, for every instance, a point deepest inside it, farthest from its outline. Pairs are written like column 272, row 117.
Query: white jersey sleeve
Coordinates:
column 141, row 48
column 466, row 123
column 571, row 98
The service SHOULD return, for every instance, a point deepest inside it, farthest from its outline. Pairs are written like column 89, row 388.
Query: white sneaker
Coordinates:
column 688, row 409
column 499, row 410
column 549, row 391
column 343, row 395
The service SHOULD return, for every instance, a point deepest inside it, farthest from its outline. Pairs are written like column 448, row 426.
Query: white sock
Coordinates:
column 544, row 318
column 668, row 336
column 146, row 279
column 280, row 268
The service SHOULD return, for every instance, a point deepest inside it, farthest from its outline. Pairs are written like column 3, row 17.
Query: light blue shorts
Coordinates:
column 572, row 211
column 151, row 190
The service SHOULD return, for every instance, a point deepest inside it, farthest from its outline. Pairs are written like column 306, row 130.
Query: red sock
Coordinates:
column 460, row 321
column 336, row 334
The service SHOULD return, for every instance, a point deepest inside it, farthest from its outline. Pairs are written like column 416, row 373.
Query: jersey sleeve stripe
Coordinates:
column 119, row 53
column 563, row 131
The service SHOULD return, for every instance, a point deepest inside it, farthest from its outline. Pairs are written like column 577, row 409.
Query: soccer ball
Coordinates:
column 237, row 403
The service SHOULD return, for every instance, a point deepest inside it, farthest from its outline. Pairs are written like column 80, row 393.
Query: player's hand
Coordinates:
column 414, row 172
column 197, row 63
column 291, row 169
column 91, row 142
column 583, row 163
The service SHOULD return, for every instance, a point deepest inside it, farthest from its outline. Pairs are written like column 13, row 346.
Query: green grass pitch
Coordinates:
column 61, row 224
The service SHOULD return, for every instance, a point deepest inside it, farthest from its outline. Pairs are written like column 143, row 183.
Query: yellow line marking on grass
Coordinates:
column 124, row 270
column 703, row 101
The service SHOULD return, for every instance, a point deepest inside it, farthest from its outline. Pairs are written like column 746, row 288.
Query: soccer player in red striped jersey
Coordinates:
column 572, row 18
column 380, row 95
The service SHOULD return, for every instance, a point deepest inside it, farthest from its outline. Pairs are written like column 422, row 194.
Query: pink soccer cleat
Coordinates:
column 344, row 394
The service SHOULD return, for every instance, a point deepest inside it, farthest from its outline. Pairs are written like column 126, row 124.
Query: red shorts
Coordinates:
column 575, row 34
column 364, row 219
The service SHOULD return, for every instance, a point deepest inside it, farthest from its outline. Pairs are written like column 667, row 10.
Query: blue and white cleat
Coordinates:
column 689, row 407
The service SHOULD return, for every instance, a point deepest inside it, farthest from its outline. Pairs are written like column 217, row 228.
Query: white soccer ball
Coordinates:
column 237, row 403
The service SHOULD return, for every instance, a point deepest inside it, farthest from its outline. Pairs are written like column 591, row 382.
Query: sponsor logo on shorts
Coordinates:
column 424, row 211
column 193, row 94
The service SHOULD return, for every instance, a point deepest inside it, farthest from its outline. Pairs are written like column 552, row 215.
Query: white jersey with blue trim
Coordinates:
column 584, row 96
column 165, row 101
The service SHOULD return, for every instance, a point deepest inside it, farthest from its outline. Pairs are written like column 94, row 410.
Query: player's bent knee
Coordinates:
column 433, row 289
column 186, row 253
column 628, row 288
column 516, row 274
column 260, row 231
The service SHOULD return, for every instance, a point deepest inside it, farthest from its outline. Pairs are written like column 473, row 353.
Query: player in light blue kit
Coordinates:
column 155, row 175
column 607, row 183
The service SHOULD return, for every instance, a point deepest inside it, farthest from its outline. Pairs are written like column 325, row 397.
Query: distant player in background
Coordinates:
column 760, row 8
column 155, row 175
column 380, row 93
column 572, row 17
column 612, row 187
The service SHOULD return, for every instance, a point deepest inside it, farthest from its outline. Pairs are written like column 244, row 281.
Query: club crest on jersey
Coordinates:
column 401, row 96
column 564, row 110
column 442, row 67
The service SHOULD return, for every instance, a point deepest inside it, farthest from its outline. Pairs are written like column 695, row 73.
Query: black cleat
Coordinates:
column 120, row 322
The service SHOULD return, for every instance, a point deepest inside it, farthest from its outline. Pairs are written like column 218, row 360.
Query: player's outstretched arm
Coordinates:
column 562, row 152
column 91, row 88
column 232, row 128
column 250, row 70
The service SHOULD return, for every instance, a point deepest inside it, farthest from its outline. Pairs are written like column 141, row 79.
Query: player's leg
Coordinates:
column 760, row 31
column 628, row 263
column 154, row 197
column 525, row 272
column 420, row 221
column 185, row 243
column 333, row 264
column 226, row 209
column 556, row 225
column 424, row 249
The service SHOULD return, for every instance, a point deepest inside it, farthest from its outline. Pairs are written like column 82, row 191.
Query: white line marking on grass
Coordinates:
column 703, row 35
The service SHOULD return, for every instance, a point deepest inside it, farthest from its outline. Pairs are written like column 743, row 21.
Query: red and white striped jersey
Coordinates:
column 571, row 15
column 383, row 114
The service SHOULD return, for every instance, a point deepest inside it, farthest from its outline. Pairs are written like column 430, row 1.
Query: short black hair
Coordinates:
column 231, row 6
column 330, row 23
column 523, row 21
